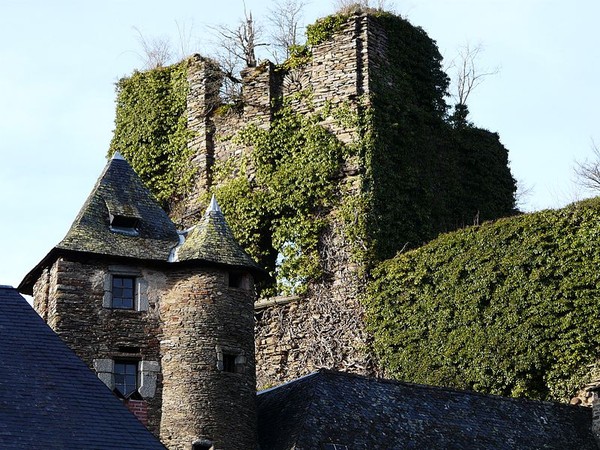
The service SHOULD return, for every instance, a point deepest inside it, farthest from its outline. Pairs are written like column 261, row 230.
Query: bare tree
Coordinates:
column 185, row 33
column 468, row 74
column 235, row 50
column 285, row 19
column 588, row 171
column 467, row 77
column 157, row 50
column 241, row 41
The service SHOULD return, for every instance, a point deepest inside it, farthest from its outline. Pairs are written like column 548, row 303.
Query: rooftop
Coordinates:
column 48, row 397
column 370, row 413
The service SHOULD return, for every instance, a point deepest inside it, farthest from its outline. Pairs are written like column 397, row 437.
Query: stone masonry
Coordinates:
column 323, row 328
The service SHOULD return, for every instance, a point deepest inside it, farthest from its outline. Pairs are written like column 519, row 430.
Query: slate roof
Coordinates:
column 368, row 413
column 120, row 191
column 48, row 396
column 212, row 240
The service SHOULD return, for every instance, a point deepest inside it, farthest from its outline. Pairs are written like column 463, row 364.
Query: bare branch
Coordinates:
column 468, row 75
column 235, row 50
column 185, row 33
column 285, row 19
column 588, row 171
column 157, row 50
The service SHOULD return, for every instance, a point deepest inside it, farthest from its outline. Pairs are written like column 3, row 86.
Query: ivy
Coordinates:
column 151, row 130
column 425, row 176
column 277, row 197
column 323, row 29
column 507, row 308
column 299, row 55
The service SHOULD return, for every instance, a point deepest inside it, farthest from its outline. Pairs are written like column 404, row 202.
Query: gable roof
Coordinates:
column 48, row 397
column 120, row 192
column 212, row 241
column 369, row 413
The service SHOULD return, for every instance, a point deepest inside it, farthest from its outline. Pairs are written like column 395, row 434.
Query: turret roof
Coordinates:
column 121, row 218
column 212, row 241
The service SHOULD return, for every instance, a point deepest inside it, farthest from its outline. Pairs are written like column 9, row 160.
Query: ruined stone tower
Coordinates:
column 164, row 317
column 403, row 172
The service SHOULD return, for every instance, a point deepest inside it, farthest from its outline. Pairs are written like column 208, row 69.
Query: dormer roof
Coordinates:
column 121, row 218
column 212, row 241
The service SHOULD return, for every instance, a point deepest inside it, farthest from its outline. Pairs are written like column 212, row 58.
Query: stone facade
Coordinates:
column 325, row 327
column 204, row 323
column 72, row 302
column 190, row 318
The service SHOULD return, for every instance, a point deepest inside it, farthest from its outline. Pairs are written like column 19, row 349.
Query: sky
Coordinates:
column 60, row 60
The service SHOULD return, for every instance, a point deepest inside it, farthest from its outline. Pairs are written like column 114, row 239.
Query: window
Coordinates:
column 124, row 224
column 125, row 288
column 229, row 362
column 123, row 292
column 236, row 280
column 202, row 445
column 126, row 377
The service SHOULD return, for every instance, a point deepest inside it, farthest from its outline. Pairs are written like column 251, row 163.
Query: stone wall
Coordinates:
column 204, row 81
column 325, row 328
column 70, row 297
column 185, row 320
column 204, row 319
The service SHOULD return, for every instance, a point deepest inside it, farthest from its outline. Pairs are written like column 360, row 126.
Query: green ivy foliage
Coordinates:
column 323, row 29
column 507, row 308
column 151, row 129
column 426, row 176
column 278, row 196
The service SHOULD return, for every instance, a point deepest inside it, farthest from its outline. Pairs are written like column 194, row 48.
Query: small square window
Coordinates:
column 123, row 292
column 126, row 377
column 236, row 280
column 229, row 362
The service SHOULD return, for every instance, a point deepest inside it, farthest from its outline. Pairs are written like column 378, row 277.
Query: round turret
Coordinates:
column 207, row 345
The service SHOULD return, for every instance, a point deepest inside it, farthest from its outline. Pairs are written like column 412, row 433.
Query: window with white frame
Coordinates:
column 128, row 375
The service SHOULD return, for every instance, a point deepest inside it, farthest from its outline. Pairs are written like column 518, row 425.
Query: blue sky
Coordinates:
column 61, row 58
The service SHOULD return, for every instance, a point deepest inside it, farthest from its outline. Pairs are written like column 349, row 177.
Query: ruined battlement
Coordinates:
column 372, row 88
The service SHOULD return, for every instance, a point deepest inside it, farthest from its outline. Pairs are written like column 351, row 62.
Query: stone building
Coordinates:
column 164, row 317
column 354, row 70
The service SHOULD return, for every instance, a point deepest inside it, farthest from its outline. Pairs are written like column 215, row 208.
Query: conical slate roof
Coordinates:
column 212, row 241
column 121, row 218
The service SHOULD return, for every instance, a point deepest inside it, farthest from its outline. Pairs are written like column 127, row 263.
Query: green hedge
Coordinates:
column 508, row 308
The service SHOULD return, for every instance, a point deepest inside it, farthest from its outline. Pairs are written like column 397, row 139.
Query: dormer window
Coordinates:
column 123, row 215
column 124, row 224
